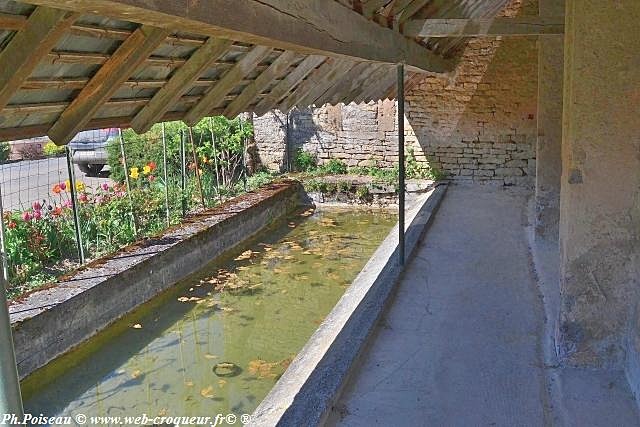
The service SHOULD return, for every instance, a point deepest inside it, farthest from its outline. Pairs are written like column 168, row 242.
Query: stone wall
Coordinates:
column 359, row 135
column 478, row 124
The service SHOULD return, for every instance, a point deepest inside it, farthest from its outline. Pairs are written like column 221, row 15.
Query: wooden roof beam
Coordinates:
column 180, row 83
column 319, row 27
column 306, row 86
column 294, row 78
column 120, row 66
column 42, row 31
column 520, row 26
column 251, row 91
column 214, row 97
column 325, row 83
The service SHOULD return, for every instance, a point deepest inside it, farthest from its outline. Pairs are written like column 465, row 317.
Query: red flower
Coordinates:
column 152, row 166
column 57, row 211
column 12, row 224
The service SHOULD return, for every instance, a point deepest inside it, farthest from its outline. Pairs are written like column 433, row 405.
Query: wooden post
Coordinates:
column 401, row 168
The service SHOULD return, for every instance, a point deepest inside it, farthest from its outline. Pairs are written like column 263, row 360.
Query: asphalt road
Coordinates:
column 29, row 180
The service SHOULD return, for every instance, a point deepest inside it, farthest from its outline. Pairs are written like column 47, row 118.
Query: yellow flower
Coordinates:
column 134, row 173
column 67, row 185
column 80, row 186
column 146, row 170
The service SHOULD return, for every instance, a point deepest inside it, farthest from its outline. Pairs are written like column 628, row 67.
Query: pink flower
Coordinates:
column 63, row 186
column 83, row 198
column 36, row 206
column 98, row 200
column 67, row 204
column 26, row 215
column 37, row 215
column 105, row 186
column 151, row 178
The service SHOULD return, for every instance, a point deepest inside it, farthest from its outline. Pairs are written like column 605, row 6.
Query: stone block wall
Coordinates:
column 477, row 124
column 359, row 135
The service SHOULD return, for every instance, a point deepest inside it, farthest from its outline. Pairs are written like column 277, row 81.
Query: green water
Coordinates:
column 248, row 315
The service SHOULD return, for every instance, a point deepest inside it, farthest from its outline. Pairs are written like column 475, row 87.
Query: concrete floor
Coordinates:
column 464, row 342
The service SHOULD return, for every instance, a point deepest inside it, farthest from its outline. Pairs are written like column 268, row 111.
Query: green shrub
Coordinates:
column 5, row 151
column 363, row 194
column 344, row 186
column 50, row 149
column 334, row 167
column 303, row 161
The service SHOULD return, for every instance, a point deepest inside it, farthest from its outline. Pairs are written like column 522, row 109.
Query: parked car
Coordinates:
column 89, row 149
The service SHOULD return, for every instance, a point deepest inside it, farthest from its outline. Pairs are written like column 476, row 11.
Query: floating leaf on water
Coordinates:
column 222, row 383
column 210, row 356
column 137, row 326
column 244, row 255
column 188, row 383
column 303, row 277
column 193, row 299
column 242, row 268
column 263, row 369
column 163, row 412
column 190, row 289
column 207, row 392
column 183, row 299
column 136, row 374
column 284, row 291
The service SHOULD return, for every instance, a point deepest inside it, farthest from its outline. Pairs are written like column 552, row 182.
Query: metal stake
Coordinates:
column 3, row 247
column 127, row 182
column 183, row 167
column 74, row 205
column 10, row 397
column 401, row 168
column 197, row 167
column 215, row 158
column 244, row 157
column 166, row 175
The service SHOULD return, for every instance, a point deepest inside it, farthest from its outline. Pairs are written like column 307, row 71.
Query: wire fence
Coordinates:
column 99, row 195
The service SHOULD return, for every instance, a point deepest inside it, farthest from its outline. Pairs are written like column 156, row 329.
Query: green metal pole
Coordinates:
column 401, row 168
column 183, row 161
column 125, row 165
column 10, row 397
column 166, row 175
column 74, row 205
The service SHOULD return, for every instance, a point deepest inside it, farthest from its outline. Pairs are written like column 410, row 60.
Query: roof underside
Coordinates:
column 101, row 71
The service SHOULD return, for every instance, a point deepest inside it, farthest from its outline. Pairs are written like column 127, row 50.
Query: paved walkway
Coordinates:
column 462, row 343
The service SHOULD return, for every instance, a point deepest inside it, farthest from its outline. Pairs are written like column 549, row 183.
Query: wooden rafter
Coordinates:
column 352, row 79
column 120, row 66
column 381, row 75
column 181, row 81
column 520, row 26
column 307, row 85
column 303, row 69
column 81, row 82
column 357, row 89
column 323, row 27
column 12, row 22
column 248, row 95
column 325, row 83
column 408, row 12
column 212, row 98
column 42, row 31
column 372, row 6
